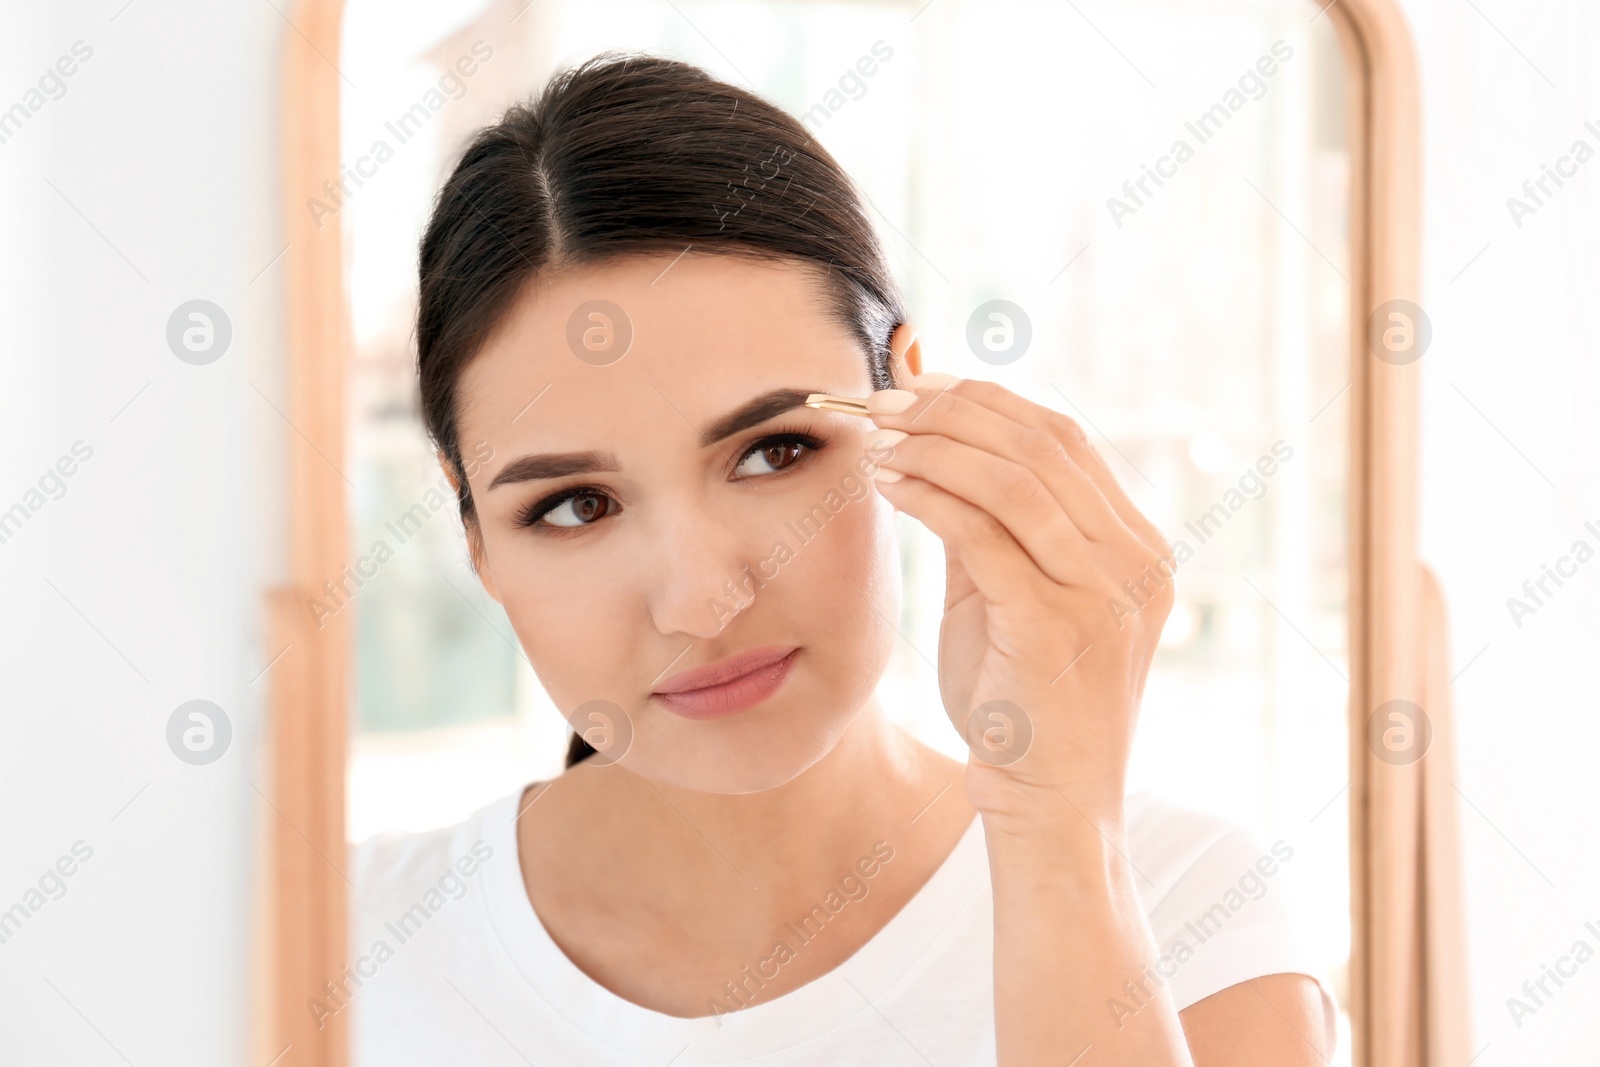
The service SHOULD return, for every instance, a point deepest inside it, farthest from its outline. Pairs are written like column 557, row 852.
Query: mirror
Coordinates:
column 1135, row 213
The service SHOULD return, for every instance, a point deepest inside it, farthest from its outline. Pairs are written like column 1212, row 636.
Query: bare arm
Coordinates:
column 1068, row 932
column 1272, row 1021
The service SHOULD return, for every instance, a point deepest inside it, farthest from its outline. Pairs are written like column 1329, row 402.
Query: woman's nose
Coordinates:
column 704, row 572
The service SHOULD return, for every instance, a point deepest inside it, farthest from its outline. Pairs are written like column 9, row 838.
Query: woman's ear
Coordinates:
column 480, row 559
column 905, row 353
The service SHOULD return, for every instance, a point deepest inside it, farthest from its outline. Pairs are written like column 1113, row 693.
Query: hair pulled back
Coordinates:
column 632, row 153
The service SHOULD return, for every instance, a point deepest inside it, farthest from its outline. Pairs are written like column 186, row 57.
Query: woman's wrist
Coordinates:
column 1026, row 812
column 1064, row 850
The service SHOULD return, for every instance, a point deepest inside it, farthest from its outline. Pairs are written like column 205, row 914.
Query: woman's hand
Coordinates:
column 1056, row 590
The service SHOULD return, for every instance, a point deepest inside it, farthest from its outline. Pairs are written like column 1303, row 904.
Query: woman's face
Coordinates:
column 646, row 515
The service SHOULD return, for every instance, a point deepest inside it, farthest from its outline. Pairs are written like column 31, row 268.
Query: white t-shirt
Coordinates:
column 451, row 964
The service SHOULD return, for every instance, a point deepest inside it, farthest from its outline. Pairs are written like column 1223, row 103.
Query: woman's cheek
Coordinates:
column 554, row 624
column 851, row 568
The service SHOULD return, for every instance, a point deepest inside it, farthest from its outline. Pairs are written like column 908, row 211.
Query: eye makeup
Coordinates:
column 531, row 515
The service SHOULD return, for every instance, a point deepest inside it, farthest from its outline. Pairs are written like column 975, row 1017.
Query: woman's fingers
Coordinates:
column 1012, row 494
column 1073, row 440
column 997, row 565
column 1067, row 430
column 962, row 418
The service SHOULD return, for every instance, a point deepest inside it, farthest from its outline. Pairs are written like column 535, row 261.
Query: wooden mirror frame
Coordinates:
column 1407, row 987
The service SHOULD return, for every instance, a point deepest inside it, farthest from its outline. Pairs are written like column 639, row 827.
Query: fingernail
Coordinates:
column 879, row 441
column 889, row 401
column 875, row 444
column 934, row 380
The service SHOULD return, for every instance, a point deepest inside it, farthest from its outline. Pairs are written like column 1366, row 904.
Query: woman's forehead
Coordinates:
column 703, row 405
column 702, row 343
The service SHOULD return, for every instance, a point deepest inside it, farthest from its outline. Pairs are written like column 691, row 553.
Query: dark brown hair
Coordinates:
column 631, row 153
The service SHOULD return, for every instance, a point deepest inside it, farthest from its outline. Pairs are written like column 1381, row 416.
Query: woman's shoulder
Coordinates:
column 1218, row 901
column 1176, row 848
column 394, row 868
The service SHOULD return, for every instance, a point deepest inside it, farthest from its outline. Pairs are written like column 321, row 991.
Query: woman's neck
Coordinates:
column 619, row 867
column 871, row 785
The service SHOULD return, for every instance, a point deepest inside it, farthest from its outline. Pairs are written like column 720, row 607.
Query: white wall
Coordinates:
column 1511, row 473
column 150, row 182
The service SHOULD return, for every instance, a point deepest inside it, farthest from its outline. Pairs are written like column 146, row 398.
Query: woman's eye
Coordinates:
column 580, row 507
column 777, row 453
column 584, row 505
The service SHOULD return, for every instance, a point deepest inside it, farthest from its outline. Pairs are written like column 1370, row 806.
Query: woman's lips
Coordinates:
column 727, row 688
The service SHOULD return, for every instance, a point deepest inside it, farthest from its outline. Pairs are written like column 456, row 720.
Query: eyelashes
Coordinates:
column 532, row 515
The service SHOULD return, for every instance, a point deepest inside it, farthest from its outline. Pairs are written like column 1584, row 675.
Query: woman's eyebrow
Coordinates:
column 752, row 412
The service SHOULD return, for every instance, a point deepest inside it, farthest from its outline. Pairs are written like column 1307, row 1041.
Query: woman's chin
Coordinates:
column 730, row 767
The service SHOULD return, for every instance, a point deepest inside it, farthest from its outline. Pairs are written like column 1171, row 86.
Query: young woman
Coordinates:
column 629, row 287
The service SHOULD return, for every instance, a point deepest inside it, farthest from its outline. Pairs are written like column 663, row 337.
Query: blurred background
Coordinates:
column 1189, row 308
